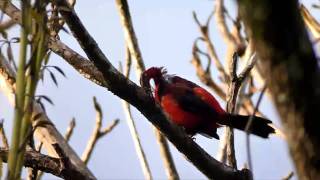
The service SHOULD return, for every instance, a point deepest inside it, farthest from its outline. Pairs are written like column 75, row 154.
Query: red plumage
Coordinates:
column 194, row 108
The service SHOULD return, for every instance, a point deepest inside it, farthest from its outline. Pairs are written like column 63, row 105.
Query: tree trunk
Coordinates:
column 292, row 75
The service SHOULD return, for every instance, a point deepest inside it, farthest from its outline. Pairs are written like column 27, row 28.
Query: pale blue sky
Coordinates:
column 166, row 31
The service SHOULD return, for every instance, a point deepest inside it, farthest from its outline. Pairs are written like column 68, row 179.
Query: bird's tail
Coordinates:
column 259, row 126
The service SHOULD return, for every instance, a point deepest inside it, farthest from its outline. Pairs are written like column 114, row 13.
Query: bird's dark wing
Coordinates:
column 190, row 102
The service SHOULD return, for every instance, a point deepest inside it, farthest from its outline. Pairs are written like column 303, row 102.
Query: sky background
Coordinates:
column 165, row 31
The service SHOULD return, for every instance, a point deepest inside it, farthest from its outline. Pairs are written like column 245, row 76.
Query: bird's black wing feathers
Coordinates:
column 192, row 103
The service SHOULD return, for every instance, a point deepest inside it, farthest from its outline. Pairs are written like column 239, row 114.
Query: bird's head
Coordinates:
column 155, row 73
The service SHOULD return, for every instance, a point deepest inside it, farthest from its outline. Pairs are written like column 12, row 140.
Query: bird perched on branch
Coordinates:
column 194, row 108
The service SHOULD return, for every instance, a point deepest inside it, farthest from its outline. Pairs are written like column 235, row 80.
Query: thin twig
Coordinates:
column 205, row 75
column 247, row 129
column 133, row 130
column 3, row 135
column 288, row 176
column 312, row 24
column 70, row 129
column 136, row 140
column 97, row 132
column 130, row 36
column 210, row 47
column 221, row 22
column 133, row 46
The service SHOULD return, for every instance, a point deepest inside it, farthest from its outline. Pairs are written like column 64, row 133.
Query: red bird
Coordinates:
column 192, row 107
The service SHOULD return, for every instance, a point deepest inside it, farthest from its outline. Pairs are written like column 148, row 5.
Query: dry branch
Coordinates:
column 135, row 95
column 48, row 133
column 312, row 24
column 136, row 140
column 247, row 129
column 60, row 167
column 132, row 43
column 204, row 29
column 70, row 129
column 97, row 133
column 3, row 136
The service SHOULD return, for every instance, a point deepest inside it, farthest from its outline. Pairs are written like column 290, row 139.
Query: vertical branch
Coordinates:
column 235, row 84
column 132, row 127
column 70, row 129
column 136, row 141
column 204, row 29
column 3, row 136
column 231, row 104
column 248, row 127
column 132, row 43
column 165, row 153
column 130, row 36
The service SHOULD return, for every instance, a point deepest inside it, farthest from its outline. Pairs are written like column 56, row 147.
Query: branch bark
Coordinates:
column 56, row 166
column 135, row 95
column 292, row 73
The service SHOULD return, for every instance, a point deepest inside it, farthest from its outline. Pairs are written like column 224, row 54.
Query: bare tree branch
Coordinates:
column 56, row 166
column 132, row 43
column 70, row 129
column 231, row 107
column 130, row 36
column 97, row 132
column 236, row 82
column 135, row 95
column 247, row 129
column 132, row 127
column 312, row 24
column 221, row 22
column 204, row 29
column 136, row 140
column 288, row 176
column 3, row 135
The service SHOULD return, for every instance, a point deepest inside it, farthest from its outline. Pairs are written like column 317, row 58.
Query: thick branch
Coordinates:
column 135, row 95
column 292, row 72
column 55, row 166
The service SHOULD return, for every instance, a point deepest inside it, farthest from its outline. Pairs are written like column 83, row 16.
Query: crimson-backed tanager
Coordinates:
column 194, row 108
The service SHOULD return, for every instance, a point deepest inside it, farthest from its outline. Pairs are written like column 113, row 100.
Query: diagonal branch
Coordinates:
column 132, row 43
column 312, row 24
column 136, row 96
